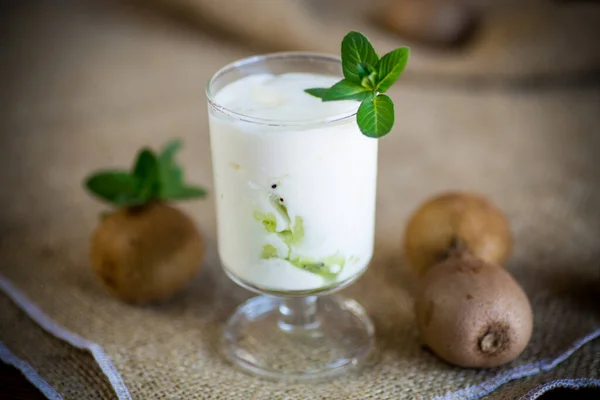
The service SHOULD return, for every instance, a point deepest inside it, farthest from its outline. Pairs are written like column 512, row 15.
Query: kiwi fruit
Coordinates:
column 471, row 313
column 456, row 223
column 145, row 254
column 435, row 22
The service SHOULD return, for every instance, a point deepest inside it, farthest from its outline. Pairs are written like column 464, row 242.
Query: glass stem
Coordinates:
column 298, row 313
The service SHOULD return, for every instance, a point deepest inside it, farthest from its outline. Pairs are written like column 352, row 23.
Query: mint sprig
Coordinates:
column 154, row 177
column 347, row 90
column 366, row 78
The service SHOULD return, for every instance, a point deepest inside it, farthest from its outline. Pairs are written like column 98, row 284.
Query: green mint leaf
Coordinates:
column 370, row 81
column 390, row 67
column 145, row 163
column 186, row 193
column 117, row 187
column 356, row 49
column 171, row 174
column 152, row 177
column 172, row 186
column 375, row 118
column 368, row 76
column 147, row 174
column 364, row 70
column 317, row 92
column 346, row 90
column 168, row 151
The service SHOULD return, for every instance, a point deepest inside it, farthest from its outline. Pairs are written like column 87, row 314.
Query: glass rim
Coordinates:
column 305, row 55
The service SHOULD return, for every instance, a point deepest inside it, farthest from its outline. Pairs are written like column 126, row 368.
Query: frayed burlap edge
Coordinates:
column 47, row 324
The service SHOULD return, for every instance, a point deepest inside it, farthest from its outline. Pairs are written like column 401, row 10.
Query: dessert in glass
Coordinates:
column 295, row 182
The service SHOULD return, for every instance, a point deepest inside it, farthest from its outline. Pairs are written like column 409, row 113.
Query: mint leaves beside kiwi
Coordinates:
column 145, row 237
column 153, row 177
column 366, row 78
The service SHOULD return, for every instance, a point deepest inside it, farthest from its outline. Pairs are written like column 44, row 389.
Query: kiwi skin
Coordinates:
column 455, row 223
column 145, row 254
column 473, row 314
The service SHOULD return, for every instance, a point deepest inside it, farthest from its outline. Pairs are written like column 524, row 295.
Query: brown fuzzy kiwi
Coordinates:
column 433, row 22
column 473, row 314
column 456, row 223
column 147, row 253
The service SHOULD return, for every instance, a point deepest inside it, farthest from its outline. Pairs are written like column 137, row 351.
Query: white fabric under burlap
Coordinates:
column 85, row 86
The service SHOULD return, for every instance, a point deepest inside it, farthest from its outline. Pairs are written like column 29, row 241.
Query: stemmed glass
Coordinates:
column 295, row 202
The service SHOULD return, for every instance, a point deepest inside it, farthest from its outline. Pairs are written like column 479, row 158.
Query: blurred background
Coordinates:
column 498, row 97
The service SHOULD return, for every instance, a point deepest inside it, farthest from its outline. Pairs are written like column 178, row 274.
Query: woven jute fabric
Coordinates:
column 86, row 86
column 72, row 372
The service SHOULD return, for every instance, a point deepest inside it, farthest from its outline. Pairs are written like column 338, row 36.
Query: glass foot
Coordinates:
column 299, row 339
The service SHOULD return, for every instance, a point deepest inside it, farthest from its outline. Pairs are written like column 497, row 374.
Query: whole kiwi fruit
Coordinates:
column 471, row 313
column 147, row 253
column 455, row 223
column 432, row 22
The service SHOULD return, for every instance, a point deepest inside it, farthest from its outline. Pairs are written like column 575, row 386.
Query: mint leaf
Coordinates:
column 366, row 77
column 390, row 67
column 147, row 174
column 171, row 174
column 346, row 90
column 356, row 49
column 152, row 177
column 317, row 92
column 145, row 163
column 375, row 118
column 167, row 153
column 186, row 192
column 117, row 187
column 370, row 81
column 364, row 70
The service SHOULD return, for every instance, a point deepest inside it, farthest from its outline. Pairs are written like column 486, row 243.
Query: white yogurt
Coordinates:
column 295, row 204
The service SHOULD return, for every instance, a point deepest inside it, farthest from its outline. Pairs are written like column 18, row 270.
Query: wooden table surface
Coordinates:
column 14, row 386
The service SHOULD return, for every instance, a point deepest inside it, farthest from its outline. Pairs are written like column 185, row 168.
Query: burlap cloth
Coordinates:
column 86, row 86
